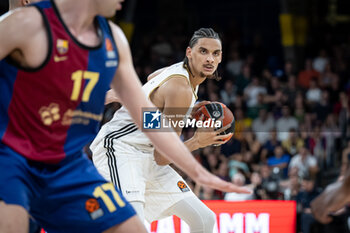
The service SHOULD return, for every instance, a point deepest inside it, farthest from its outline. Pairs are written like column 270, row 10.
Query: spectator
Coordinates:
column 239, row 103
column 253, row 112
column 236, row 165
column 212, row 87
column 255, row 184
column 213, row 162
column 313, row 94
column 334, row 90
column 263, row 125
column 288, row 71
column 252, row 91
column 323, row 107
column 241, row 124
column 290, row 91
column 291, row 186
column 266, row 77
column 234, row 64
column 279, row 160
column 342, row 109
column 228, row 94
column 231, row 147
column 251, row 146
column 317, row 146
column 307, row 193
column 331, row 133
column 307, row 74
column 327, row 76
column 243, row 79
column 319, row 64
column 285, row 123
column 274, row 92
column 274, row 86
column 299, row 107
column 239, row 180
column 293, row 144
column 304, row 133
column 270, row 183
column 222, row 171
column 270, row 145
column 305, row 163
column 213, row 97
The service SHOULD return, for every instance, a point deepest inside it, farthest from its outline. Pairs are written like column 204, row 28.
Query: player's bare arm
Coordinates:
column 174, row 98
column 111, row 95
column 332, row 199
column 155, row 73
column 126, row 82
column 26, row 43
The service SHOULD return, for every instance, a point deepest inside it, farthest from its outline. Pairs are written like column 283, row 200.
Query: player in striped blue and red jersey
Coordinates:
column 33, row 226
column 59, row 58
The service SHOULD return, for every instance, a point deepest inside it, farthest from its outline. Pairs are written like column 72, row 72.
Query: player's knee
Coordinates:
column 209, row 220
column 212, row 218
column 13, row 219
column 204, row 223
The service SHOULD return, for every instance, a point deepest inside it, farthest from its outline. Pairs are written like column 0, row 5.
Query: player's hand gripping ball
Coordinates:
column 216, row 111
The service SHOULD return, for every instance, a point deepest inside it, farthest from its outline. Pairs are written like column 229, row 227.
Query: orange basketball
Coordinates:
column 216, row 111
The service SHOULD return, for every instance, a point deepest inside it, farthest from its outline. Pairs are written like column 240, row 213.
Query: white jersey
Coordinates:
column 122, row 126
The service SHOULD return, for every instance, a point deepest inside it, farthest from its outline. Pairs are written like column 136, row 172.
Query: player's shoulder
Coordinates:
column 178, row 81
column 177, row 85
column 156, row 73
column 119, row 38
column 116, row 30
column 24, row 19
column 113, row 26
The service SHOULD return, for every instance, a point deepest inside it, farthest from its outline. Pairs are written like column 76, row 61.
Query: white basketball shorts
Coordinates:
column 134, row 171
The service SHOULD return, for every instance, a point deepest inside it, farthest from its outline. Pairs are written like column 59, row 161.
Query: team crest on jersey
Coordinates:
column 109, row 47
column 182, row 186
column 62, row 46
column 93, row 208
column 50, row 114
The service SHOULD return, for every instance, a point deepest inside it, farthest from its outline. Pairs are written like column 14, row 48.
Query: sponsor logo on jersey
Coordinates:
column 132, row 191
column 71, row 117
column 112, row 63
column 62, row 46
column 182, row 186
column 59, row 59
column 93, row 208
column 109, row 47
column 50, row 113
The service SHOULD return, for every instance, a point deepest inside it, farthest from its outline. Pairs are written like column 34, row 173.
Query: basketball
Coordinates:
column 216, row 111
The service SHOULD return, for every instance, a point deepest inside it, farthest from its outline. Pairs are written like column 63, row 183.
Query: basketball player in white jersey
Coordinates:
column 124, row 155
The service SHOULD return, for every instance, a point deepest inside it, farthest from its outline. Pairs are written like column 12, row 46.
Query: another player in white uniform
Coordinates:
column 124, row 155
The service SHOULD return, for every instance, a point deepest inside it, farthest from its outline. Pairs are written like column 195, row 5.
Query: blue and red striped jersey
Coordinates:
column 53, row 111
